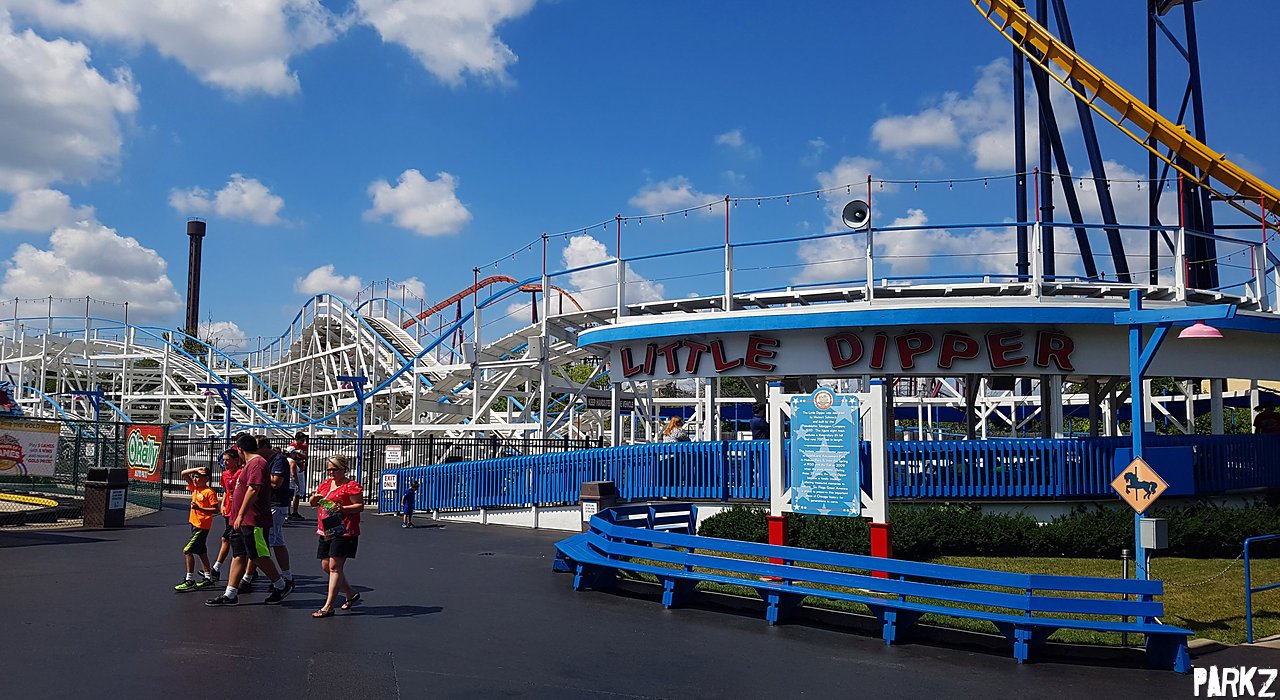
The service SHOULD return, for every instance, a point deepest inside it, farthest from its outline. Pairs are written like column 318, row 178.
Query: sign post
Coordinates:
column 821, row 479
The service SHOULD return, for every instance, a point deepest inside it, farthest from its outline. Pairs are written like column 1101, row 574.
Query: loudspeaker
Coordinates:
column 856, row 215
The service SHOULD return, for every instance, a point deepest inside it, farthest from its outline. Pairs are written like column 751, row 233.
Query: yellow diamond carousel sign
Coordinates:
column 1139, row 485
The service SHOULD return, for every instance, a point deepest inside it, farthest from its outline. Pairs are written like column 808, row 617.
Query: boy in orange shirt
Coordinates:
column 204, row 504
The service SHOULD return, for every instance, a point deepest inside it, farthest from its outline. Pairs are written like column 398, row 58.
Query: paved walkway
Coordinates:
column 459, row 611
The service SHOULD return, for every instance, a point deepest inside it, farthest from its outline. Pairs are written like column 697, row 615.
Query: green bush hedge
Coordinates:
column 923, row 532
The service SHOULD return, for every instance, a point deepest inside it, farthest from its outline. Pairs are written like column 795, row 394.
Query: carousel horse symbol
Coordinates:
column 1133, row 483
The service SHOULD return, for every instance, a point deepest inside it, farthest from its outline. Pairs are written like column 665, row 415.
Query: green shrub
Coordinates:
column 920, row 532
column 741, row 522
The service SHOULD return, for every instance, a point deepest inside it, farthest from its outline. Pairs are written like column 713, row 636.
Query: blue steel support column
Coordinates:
column 1140, row 357
column 1105, row 204
column 1136, row 423
column 1020, row 160
column 1153, row 164
column 224, row 392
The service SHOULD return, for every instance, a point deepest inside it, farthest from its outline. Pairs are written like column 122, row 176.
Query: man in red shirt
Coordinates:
column 251, row 518
column 232, row 462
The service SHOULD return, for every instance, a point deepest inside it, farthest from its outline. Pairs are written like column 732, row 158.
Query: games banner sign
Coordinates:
column 28, row 448
column 142, row 448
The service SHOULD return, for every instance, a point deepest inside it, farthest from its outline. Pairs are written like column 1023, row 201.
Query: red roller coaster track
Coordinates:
column 494, row 279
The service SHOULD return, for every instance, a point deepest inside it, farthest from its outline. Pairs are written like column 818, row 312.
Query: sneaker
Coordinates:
column 278, row 594
column 185, row 586
column 244, row 587
column 254, row 577
column 205, row 582
column 213, row 575
column 221, row 601
column 289, row 585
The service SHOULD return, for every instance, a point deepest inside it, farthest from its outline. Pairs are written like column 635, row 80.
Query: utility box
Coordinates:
column 596, row 496
column 106, row 491
column 1154, row 533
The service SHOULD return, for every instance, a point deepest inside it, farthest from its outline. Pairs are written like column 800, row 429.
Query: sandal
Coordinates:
column 322, row 613
column 351, row 601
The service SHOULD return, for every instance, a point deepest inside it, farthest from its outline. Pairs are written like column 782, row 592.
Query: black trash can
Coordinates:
column 105, row 493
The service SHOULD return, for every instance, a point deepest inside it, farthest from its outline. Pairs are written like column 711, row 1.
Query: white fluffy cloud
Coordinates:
column 736, row 141
column 224, row 335
column 981, row 122
column 93, row 260
column 43, row 210
column 597, row 288
column 243, row 46
column 426, row 207
column 906, row 253
column 241, row 198
column 851, row 170
column 59, row 117
column 672, row 194
column 326, row 280
column 451, row 39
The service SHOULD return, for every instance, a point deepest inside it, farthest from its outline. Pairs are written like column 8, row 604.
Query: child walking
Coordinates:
column 407, row 502
column 204, row 504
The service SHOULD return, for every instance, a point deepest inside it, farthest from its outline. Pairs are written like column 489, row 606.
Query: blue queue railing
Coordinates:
column 737, row 470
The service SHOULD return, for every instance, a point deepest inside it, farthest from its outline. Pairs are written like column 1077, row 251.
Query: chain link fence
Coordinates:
column 30, row 496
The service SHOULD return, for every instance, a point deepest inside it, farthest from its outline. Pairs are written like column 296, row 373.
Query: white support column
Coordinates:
column 1189, row 392
column 1145, row 410
column 1056, row 422
column 878, row 511
column 1180, row 265
column 779, row 410
column 1215, row 403
column 727, row 303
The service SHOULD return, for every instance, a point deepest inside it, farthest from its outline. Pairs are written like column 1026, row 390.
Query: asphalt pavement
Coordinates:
column 464, row 611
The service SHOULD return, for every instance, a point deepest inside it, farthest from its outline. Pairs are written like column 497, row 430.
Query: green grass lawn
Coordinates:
column 1213, row 609
column 1205, row 596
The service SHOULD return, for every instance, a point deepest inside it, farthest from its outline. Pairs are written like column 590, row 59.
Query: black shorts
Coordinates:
column 253, row 540
column 198, row 544
column 344, row 547
column 227, row 530
column 234, row 539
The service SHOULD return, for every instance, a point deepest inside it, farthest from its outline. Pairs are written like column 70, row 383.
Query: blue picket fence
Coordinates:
column 738, row 470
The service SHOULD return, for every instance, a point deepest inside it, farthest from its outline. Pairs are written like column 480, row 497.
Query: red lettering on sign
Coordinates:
column 879, row 348
column 1001, row 345
column 695, row 355
column 912, row 345
column 956, row 346
column 668, row 352
column 759, row 349
column 1055, row 345
column 629, row 367
column 844, row 349
column 718, row 357
column 650, row 358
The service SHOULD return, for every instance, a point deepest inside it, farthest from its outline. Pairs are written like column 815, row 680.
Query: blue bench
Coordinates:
column 658, row 540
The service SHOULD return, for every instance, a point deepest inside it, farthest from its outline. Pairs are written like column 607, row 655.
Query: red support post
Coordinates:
column 881, row 544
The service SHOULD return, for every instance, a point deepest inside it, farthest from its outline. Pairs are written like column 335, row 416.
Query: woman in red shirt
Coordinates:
column 339, row 501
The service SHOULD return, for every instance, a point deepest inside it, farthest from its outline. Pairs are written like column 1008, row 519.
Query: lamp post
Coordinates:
column 222, row 389
column 95, row 399
column 1140, row 356
column 357, row 383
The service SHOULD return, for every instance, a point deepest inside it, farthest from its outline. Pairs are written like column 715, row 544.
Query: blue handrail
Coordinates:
column 1249, row 590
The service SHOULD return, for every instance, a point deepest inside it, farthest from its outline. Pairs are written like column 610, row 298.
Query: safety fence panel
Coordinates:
column 723, row 470
column 31, row 496
column 996, row 469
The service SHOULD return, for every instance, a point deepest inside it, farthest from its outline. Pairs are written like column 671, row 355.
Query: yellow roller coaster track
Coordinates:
column 1132, row 115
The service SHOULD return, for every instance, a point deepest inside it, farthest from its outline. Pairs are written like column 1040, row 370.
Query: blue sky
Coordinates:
column 333, row 144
